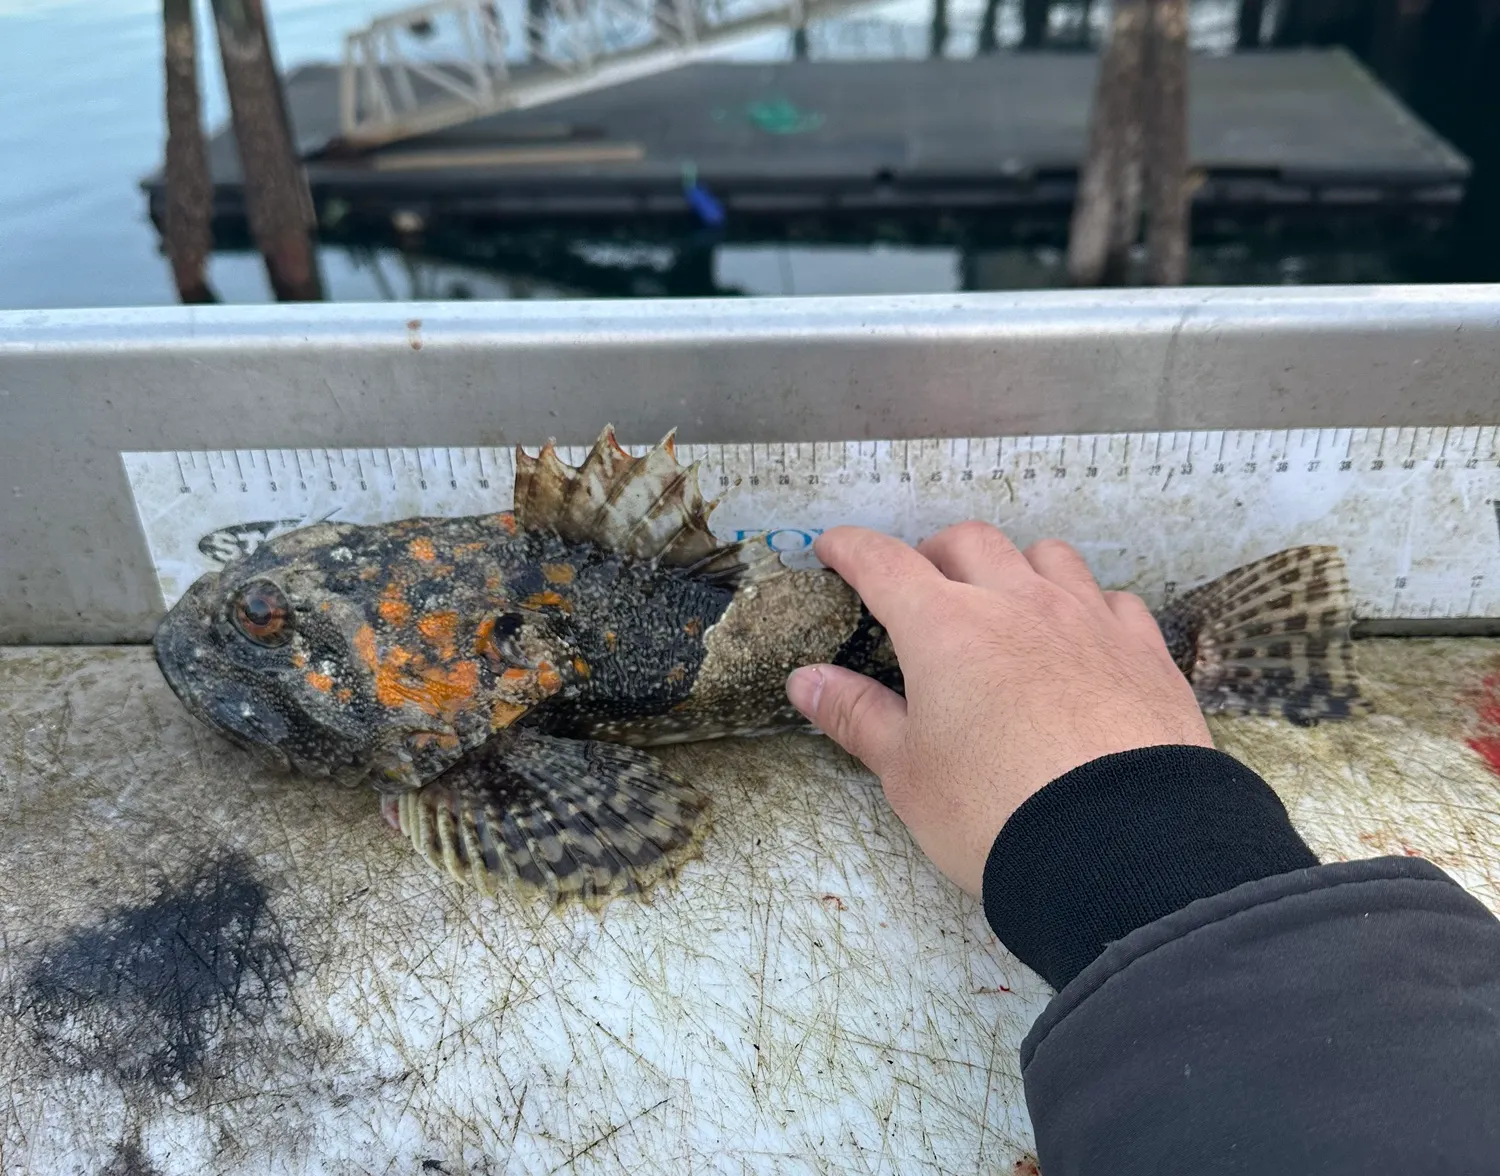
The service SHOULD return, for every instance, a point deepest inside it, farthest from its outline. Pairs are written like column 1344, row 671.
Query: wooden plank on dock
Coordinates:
column 1298, row 128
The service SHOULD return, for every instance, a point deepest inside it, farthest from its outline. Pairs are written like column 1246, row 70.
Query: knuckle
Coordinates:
column 862, row 711
column 972, row 537
column 1042, row 597
column 1127, row 603
column 1056, row 553
column 848, row 707
column 972, row 530
column 1053, row 547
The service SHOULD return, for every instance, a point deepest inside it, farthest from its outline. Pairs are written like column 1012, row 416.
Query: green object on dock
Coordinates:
column 779, row 116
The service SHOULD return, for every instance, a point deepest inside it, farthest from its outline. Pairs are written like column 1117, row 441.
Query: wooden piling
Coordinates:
column 1138, row 148
column 938, row 39
column 1166, row 142
column 278, row 204
column 989, row 40
column 1252, row 15
column 1085, row 21
column 1106, row 210
column 1035, row 16
column 187, row 219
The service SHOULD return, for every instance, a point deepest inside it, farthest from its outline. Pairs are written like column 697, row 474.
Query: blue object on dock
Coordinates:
column 702, row 201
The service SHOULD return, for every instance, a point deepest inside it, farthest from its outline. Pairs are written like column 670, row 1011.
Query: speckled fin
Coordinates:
column 1273, row 637
column 647, row 507
column 567, row 818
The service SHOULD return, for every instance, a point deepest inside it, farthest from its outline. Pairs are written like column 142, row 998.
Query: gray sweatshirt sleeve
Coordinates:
column 1337, row 1019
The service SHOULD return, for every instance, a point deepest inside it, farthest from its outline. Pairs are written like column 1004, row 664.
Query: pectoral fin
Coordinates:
column 568, row 818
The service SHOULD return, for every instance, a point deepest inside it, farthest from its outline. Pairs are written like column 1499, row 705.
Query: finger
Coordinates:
column 889, row 576
column 1056, row 561
column 863, row 717
column 975, row 553
column 1131, row 611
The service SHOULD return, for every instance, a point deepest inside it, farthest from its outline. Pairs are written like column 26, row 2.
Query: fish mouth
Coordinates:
column 175, row 650
column 230, row 708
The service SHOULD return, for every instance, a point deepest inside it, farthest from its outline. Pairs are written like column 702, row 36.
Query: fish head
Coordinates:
column 372, row 654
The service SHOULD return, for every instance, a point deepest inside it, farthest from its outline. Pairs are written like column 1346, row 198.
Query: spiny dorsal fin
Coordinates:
column 649, row 508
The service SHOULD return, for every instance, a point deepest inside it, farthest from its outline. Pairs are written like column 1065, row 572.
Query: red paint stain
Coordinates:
column 1486, row 739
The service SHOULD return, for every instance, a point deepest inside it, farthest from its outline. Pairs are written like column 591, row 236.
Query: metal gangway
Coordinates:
column 444, row 63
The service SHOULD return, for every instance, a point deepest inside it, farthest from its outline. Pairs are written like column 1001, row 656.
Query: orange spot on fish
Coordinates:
column 469, row 548
column 364, row 646
column 503, row 714
column 370, row 572
column 514, row 675
column 506, row 521
column 548, row 678
column 440, row 630
column 547, row 599
column 611, row 640
column 318, row 681
column 435, row 690
column 677, row 673
column 693, row 627
column 557, row 573
column 393, row 609
column 299, row 659
column 344, row 694
column 581, row 667
column 422, row 549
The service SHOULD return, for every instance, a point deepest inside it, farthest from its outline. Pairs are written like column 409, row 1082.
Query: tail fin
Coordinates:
column 1271, row 637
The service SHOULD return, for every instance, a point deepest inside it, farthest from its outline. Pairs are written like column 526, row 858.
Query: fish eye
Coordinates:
column 506, row 625
column 262, row 614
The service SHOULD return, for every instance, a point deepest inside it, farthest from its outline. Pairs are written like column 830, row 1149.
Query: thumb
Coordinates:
column 858, row 713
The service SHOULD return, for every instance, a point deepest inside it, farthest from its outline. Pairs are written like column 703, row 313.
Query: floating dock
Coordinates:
column 1300, row 132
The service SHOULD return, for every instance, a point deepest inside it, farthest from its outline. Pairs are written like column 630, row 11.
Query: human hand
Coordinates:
column 1017, row 668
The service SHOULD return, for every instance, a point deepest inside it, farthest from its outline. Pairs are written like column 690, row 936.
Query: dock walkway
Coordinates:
column 1305, row 130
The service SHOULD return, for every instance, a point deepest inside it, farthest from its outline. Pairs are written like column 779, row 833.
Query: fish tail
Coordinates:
column 1271, row 637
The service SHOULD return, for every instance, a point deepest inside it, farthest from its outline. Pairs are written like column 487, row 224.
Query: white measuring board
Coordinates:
column 1415, row 511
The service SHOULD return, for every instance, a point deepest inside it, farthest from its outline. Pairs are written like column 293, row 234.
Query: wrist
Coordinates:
column 1123, row 840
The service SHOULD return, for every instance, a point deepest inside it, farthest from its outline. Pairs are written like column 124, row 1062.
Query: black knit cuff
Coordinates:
column 1122, row 841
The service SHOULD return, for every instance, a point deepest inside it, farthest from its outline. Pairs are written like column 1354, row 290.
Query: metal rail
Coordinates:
column 78, row 388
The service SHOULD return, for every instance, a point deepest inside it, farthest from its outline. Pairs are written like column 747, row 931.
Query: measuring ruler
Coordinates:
column 1415, row 511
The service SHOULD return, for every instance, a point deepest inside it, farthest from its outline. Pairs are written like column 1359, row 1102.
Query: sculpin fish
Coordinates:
column 495, row 677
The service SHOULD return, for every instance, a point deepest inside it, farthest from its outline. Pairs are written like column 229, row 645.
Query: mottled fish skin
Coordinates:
column 474, row 669
column 415, row 641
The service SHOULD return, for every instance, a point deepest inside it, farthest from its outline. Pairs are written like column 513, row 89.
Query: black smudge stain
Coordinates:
column 158, row 995
column 130, row 1160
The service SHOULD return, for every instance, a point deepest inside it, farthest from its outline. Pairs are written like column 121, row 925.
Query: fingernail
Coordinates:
column 804, row 687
